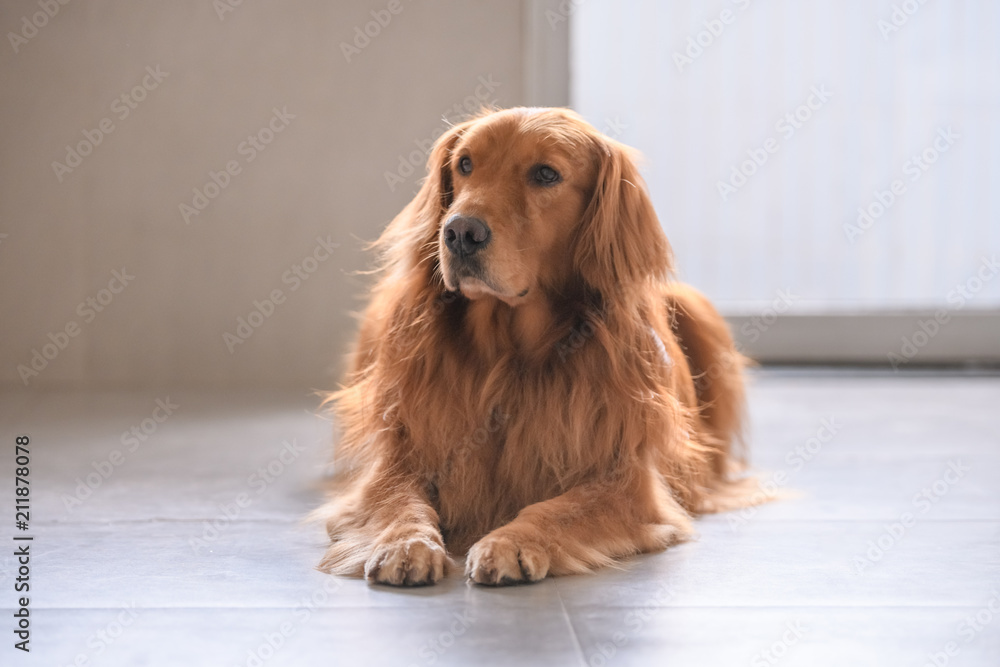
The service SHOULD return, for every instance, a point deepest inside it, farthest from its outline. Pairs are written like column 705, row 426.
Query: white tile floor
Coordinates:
column 120, row 578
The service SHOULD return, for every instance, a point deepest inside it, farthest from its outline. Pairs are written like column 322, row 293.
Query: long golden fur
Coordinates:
column 544, row 401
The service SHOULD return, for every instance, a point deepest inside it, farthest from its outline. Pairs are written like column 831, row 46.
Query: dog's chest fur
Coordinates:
column 505, row 434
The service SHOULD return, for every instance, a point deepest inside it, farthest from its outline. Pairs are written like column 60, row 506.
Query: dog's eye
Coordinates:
column 543, row 174
column 465, row 165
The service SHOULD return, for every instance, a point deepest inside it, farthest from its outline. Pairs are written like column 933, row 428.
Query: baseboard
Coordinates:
column 896, row 340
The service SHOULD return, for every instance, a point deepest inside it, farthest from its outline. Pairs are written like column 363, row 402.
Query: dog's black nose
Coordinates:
column 464, row 235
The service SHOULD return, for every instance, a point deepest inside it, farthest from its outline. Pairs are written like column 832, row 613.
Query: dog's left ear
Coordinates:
column 621, row 241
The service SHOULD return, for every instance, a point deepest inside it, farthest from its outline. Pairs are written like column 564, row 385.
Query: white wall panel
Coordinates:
column 785, row 228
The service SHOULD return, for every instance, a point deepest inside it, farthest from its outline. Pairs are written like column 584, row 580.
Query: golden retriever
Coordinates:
column 529, row 388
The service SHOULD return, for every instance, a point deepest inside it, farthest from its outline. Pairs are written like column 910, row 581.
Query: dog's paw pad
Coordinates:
column 501, row 561
column 407, row 562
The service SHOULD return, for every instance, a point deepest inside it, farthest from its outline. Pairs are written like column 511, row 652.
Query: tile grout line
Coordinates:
column 572, row 630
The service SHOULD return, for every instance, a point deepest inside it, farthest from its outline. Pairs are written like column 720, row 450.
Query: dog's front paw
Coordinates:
column 413, row 561
column 500, row 560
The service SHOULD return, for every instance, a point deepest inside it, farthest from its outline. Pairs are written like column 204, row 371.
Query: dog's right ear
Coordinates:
column 620, row 243
column 411, row 238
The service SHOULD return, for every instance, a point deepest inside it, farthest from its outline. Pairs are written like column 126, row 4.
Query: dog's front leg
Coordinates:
column 385, row 529
column 584, row 528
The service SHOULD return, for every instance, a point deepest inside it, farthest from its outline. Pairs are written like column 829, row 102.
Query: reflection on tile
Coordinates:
column 811, row 637
column 477, row 633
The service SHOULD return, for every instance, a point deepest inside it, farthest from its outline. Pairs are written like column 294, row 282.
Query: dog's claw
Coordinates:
column 501, row 561
column 407, row 562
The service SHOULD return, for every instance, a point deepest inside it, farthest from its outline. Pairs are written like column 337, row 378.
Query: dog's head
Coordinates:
column 528, row 201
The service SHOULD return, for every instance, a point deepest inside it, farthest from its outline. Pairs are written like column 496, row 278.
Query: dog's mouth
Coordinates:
column 473, row 287
column 458, row 271
column 471, row 281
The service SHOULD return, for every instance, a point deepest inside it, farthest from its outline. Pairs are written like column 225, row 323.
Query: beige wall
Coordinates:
column 322, row 176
